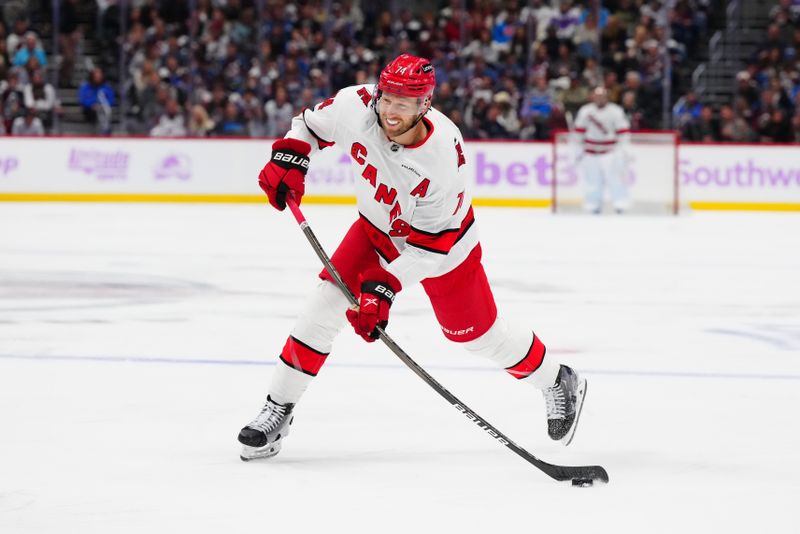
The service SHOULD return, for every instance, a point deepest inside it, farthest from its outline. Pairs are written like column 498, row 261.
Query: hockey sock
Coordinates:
column 518, row 351
column 288, row 384
column 306, row 350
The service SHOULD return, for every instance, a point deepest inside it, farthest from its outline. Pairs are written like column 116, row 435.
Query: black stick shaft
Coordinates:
column 557, row 472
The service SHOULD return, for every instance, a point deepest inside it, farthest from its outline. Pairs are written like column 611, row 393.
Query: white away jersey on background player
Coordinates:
column 413, row 198
column 602, row 129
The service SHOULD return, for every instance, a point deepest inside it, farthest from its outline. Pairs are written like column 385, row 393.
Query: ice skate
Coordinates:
column 564, row 402
column 262, row 437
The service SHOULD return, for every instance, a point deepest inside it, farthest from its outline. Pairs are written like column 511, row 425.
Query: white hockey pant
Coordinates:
column 599, row 170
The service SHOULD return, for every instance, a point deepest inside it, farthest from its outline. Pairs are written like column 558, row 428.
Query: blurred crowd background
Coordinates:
column 713, row 70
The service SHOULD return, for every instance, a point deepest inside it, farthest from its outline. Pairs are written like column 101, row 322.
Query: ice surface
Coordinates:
column 135, row 341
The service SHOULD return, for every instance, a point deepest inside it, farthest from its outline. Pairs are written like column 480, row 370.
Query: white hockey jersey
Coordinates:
column 602, row 130
column 413, row 198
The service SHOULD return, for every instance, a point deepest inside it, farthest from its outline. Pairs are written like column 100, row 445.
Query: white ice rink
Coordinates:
column 135, row 341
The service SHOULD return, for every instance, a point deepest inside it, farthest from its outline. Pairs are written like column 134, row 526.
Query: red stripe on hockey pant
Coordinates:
column 443, row 241
column 531, row 362
column 462, row 300
column 354, row 255
column 297, row 354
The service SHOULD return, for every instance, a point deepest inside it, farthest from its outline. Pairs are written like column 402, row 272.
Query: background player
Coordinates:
column 603, row 142
column 415, row 225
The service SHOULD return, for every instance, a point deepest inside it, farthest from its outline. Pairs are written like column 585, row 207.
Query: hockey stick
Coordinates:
column 558, row 472
column 570, row 121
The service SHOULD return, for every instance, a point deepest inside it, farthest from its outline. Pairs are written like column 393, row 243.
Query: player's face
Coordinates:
column 600, row 99
column 398, row 113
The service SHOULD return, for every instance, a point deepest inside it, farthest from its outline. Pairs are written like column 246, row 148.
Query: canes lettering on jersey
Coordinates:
column 383, row 193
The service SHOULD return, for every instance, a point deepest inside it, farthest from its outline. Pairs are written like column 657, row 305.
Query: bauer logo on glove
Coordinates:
column 293, row 159
column 378, row 288
column 385, row 291
column 285, row 172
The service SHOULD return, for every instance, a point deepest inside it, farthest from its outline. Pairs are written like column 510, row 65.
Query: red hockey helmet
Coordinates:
column 408, row 75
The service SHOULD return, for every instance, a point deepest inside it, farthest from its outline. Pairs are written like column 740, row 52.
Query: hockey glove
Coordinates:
column 378, row 288
column 285, row 172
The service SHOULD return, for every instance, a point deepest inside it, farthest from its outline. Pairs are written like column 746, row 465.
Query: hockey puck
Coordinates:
column 582, row 482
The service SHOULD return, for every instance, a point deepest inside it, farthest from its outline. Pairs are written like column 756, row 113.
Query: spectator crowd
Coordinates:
column 27, row 101
column 766, row 102
column 505, row 69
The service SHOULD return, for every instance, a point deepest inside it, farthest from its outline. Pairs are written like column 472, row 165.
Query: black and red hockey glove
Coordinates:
column 285, row 172
column 378, row 288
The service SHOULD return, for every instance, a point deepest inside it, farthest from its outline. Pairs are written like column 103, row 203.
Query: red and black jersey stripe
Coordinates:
column 440, row 242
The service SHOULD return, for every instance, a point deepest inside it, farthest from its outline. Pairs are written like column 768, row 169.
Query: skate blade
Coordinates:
column 567, row 439
column 259, row 453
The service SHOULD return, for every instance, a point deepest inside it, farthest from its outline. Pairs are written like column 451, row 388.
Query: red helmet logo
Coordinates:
column 408, row 75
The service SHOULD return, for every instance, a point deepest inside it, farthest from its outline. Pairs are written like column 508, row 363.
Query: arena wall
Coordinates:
column 760, row 177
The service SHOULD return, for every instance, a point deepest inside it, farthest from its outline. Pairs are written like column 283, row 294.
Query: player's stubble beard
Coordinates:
column 405, row 125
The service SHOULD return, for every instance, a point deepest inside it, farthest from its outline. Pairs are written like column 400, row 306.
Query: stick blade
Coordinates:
column 562, row 473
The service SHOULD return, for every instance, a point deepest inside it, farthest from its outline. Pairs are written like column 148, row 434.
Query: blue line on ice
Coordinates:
column 195, row 361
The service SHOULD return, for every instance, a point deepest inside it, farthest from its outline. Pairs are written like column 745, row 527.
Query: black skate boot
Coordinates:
column 564, row 402
column 262, row 437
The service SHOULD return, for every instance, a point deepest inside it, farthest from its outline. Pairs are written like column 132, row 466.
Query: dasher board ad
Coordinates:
column 122, row 168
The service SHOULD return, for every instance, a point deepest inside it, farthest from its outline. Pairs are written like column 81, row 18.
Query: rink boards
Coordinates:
column 710, row 176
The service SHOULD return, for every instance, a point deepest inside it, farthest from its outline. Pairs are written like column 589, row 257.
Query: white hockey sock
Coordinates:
column 313, row 334
column 510, row 347
column 288, row 384
column 322, row 318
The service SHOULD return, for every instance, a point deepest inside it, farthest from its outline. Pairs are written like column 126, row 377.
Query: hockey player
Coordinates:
column 415, row 224
column 603, row 137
